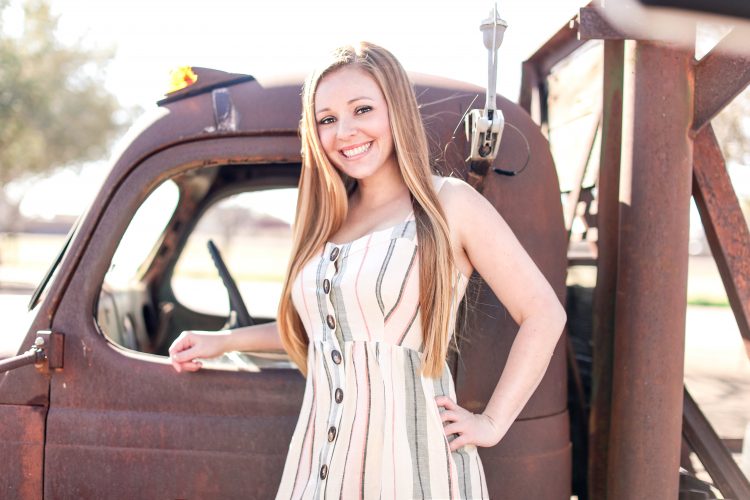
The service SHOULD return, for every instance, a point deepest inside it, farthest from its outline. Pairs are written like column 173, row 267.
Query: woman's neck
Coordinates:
column 385, row 187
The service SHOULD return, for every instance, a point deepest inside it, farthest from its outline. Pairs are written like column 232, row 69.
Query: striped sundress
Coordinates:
column 369, row 426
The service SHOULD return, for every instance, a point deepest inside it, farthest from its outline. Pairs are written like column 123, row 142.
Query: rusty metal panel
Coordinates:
column 542, row 470
column 603, row 309
column 529, row 95
column 652, row 273
column 22, row 449
column 128, row 453
column 529, row 462
column 720, row 76
column 531, row 206
column 725, row 226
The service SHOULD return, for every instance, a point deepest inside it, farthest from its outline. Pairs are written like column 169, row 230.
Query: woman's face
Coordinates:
column 353, row 123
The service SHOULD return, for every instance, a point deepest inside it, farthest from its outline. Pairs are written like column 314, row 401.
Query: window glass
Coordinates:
column 252, row 231
column 123, row 299
column 142, row 234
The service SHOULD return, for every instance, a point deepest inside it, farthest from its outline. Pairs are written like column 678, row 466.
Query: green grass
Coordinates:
column 702, row 300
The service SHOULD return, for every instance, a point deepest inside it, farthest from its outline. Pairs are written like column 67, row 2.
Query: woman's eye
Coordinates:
column 363, row 109
column 326, row 120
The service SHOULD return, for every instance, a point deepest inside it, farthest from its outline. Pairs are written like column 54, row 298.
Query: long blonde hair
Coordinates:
column 322, row 205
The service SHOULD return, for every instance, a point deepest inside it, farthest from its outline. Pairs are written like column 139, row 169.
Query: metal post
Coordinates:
column 655, row 188
column 603, row 314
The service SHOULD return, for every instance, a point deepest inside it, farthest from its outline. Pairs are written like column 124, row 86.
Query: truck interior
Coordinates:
column 163, row 278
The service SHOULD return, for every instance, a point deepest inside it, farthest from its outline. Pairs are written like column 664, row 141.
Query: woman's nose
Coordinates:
column 346, row 128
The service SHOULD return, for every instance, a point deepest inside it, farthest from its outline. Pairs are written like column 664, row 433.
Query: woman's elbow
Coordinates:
column 558, row 316
column 550, row 313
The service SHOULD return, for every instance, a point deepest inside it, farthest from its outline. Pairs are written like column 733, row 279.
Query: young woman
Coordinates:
column 381, row 254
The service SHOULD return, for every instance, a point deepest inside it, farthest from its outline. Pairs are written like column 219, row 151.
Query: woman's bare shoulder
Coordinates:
column 455, row 194
column 468, row 213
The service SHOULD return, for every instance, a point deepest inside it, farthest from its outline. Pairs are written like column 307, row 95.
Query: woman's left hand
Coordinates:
column 472, row 428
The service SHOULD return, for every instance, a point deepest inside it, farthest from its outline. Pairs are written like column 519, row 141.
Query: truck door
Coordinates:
column 122, row 422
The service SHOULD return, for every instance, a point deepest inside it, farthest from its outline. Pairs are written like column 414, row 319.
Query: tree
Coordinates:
column 54, row 108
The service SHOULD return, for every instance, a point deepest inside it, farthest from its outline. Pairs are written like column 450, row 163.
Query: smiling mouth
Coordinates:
column 352, row 152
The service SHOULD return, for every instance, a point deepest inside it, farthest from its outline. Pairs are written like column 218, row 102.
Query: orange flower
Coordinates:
column 181, row 78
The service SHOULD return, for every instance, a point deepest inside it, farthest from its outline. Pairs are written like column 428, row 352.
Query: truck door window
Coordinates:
column 252, row 231
column 123, row 296
column 142, row 234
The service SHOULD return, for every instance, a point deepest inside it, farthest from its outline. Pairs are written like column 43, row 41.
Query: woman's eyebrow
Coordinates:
column 348, row 102
column 358, row 98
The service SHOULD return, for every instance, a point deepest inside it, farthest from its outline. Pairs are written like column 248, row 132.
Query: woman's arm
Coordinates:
column 495, row 253
column 191, row 345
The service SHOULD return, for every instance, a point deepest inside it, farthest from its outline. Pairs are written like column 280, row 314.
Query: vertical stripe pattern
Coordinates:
column 369, row 426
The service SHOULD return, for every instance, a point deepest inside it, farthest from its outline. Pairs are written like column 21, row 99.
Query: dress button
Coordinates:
column 331, row 434
column 331, row 322
column 334, row 253
column 323, row 472
column 339, row 395
column 326, row 285
column 336, row 356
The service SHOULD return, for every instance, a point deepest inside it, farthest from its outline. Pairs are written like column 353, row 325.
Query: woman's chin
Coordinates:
column 357, row 172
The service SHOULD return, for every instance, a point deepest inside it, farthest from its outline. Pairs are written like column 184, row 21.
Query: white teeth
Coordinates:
column 358, row 150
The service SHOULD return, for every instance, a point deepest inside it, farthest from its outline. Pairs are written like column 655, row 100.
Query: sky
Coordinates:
column 151, row 37
column 280, row 36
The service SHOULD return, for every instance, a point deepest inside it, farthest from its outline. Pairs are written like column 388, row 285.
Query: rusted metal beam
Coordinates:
column 720, row 77
column 558, row 47
column 529, row 96
column 603, row 310
column 644, row 444
column 31, row 357
column 712, row 452
column 734, row 445
column 593, row 26
column 534, row 71
column 725, row 226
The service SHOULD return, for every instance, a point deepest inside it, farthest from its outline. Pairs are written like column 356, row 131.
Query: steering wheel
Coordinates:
column 238, row 314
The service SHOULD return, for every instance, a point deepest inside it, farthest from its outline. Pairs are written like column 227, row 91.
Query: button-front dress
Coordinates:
column 369, row 426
